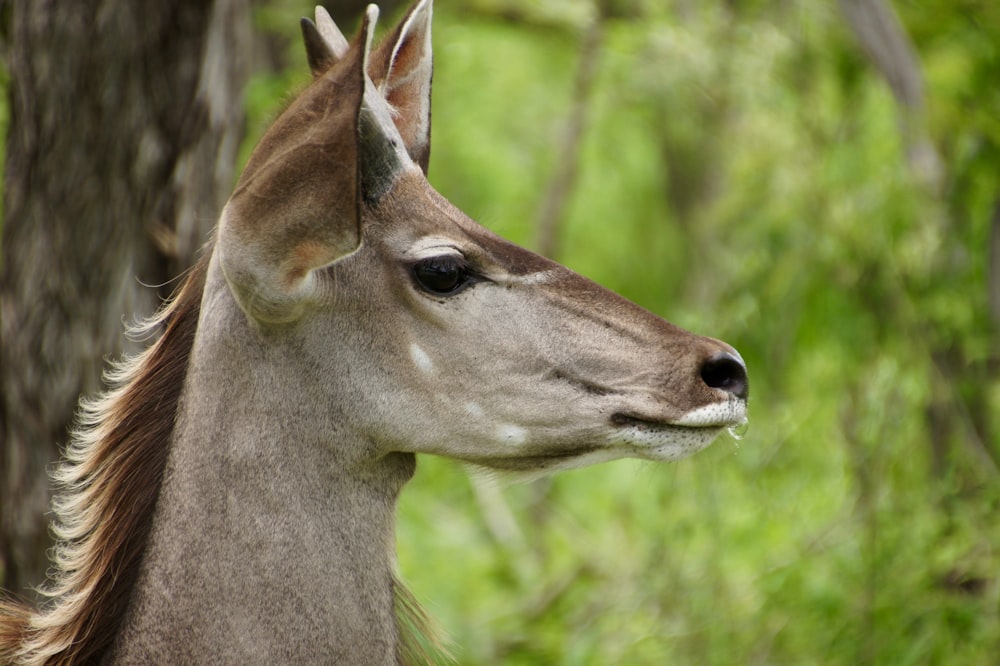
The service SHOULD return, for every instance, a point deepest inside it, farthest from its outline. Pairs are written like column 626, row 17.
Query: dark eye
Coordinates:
column 441, row 275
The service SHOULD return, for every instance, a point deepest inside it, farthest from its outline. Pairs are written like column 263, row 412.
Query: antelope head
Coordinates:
column 420, row 331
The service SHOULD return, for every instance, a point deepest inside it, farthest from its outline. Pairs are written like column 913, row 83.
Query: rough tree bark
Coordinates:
column 125, row 123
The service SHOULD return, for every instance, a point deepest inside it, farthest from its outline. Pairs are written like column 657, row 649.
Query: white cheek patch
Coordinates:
column 512, row 434
column 421, row 359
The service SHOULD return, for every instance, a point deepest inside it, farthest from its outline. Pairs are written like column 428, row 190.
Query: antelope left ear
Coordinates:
column 402, row 68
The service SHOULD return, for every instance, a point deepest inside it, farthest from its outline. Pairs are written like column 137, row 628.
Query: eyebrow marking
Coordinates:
column 434, row 246
column 539, row 277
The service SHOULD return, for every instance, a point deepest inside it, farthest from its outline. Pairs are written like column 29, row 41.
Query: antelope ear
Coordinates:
column 402, row 68
column 330, row 32
column 318, row 53
column 325, row 44
column 384, row 152
column 297, row 206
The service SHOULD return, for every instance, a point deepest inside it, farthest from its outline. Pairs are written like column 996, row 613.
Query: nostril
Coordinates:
column 727, row 372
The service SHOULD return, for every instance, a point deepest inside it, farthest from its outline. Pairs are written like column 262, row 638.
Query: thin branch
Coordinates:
column 881, row 35
column 568, row 156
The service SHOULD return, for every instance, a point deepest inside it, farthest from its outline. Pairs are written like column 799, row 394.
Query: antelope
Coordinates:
column 231, row 498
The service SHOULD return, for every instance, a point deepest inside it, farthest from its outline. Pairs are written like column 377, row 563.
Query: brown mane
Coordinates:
column 108, row 486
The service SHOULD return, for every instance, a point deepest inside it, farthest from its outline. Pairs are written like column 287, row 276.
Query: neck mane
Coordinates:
column 107, row 489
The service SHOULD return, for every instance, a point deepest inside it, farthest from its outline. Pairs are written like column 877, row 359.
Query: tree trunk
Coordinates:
column 125, row 123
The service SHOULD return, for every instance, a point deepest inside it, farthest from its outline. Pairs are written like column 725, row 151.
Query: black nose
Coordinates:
column 727, row 372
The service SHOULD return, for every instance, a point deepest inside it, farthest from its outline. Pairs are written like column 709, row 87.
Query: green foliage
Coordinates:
column 744, row 175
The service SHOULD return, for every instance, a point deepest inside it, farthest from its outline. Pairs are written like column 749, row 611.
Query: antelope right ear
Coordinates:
column 402, row 68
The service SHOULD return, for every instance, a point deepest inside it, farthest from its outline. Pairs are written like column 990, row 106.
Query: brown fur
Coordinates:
column 110, row 483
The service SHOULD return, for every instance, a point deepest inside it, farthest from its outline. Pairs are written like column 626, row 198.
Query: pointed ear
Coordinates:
column 384, row 153
column 331, row 33
column 325, row 44
column 402, row 68
column 318, row 53
column 297, row 206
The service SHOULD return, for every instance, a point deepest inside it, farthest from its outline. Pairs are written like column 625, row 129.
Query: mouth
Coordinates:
column 657, row 439
column 624, row 420
column 685, row 423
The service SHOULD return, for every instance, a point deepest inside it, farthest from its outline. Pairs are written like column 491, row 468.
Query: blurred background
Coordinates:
column 815, row 182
